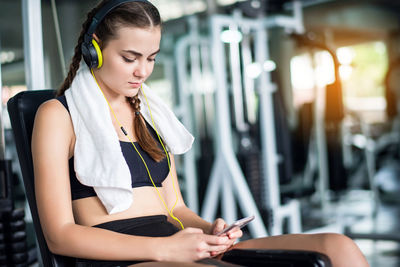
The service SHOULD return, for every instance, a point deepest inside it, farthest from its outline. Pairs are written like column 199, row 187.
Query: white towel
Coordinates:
column 98, row 158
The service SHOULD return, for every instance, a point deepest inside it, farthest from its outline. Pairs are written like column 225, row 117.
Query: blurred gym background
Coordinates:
column 294, row 106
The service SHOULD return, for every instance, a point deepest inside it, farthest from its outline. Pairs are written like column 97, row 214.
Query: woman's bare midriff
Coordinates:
column 90, row 211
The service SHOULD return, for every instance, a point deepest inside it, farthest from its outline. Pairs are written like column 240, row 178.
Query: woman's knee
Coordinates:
column 338, row 244
column 342, row 250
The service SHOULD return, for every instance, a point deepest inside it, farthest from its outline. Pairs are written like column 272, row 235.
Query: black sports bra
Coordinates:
column 158, row 170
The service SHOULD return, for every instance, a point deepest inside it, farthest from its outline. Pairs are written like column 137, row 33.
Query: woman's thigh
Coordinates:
column 314, row 242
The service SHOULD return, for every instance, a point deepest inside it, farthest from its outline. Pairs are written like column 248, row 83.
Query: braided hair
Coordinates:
column 76, row 59
column 142, row 133
column 132, row 14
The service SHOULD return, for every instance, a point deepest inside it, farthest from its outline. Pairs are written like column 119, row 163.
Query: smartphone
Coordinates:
column 239, row 223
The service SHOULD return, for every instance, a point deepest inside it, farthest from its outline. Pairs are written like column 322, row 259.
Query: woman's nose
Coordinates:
column 141, row 70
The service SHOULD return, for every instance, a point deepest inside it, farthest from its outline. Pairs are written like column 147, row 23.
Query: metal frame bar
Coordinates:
column 248, row 83
column 268, row 141
column 33, row 44
column 236, row 78
column 321, row 147
column 189, row 158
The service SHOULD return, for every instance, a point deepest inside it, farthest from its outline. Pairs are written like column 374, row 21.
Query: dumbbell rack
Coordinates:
column 13, row 238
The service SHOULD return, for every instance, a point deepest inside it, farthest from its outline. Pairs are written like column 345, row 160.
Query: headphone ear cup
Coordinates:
column 99, row 55
column 86, row 55
column 91, row 53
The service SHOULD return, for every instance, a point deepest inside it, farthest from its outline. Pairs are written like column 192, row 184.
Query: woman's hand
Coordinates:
column 233, row 234
column 191, row 244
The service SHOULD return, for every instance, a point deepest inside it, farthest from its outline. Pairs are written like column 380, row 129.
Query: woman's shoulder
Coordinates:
column 53, row 114
column 53, row 125
column 52, row 107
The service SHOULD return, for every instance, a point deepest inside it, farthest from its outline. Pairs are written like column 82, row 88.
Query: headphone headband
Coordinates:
column 102, row 13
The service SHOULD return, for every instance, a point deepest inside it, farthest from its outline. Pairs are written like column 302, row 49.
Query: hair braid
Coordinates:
column 136, row 103
column 144, row 138
column 76, row 59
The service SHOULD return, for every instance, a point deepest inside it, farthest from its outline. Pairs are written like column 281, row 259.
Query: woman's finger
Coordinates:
column 205, row 254
column 217, row 249
column 235, row 233
column 218, row 225
column 216, row 240
column 224, row 249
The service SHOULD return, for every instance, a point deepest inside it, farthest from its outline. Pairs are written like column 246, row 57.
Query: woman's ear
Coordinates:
column 96, row 38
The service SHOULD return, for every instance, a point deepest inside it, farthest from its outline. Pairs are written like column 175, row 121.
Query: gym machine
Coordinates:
column 195, row 91
column 226, row 177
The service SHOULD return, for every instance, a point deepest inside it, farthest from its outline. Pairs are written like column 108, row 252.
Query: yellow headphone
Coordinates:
column 98, row 52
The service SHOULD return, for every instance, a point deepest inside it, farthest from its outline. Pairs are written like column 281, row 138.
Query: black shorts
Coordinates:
column 153, row 226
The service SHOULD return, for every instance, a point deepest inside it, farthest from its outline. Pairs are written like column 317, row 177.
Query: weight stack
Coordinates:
column 15, row 243
column 249, row 158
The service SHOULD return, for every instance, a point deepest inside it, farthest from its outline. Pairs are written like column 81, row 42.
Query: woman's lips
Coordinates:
column 135, row 84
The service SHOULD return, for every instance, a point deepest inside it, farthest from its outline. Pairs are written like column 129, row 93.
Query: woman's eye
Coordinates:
column 128, row 60
column 151, row 59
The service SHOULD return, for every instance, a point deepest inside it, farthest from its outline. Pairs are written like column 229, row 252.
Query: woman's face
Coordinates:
column 128, row 60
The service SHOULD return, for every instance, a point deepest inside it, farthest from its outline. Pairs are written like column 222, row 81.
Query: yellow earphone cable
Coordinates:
column 170, row 212
column 162, row 144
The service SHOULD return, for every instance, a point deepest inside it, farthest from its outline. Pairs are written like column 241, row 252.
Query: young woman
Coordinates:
column 75, row 217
